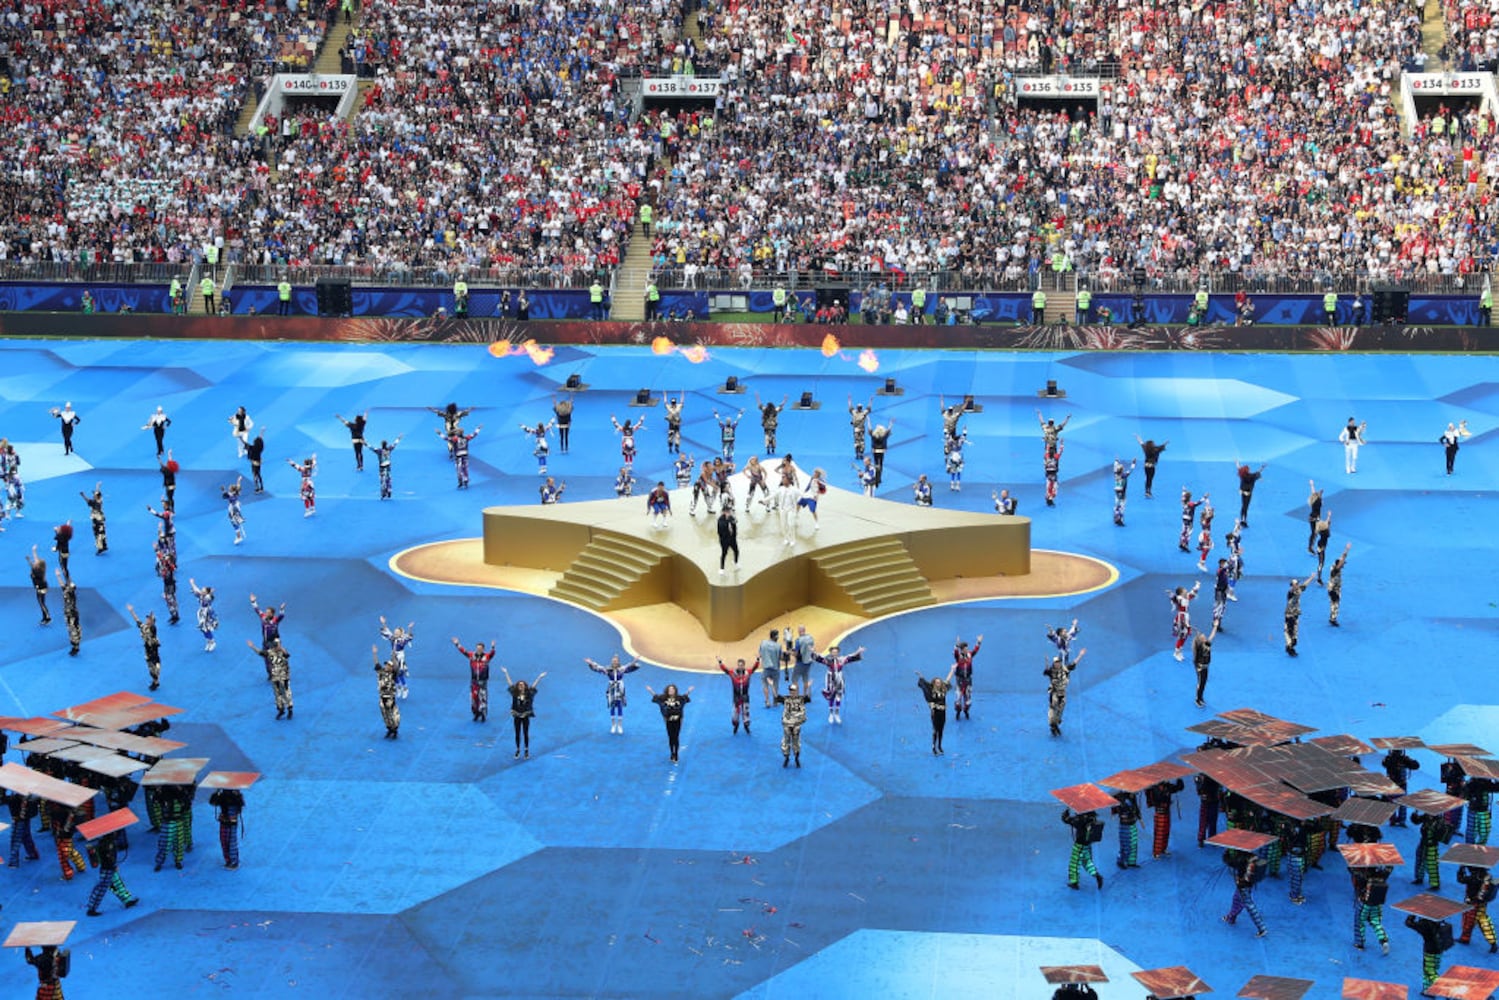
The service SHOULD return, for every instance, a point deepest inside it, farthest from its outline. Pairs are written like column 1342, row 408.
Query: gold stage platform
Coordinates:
column 661, row 588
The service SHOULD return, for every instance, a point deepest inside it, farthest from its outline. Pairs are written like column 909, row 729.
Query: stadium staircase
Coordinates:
column 328, row 63
column 627, row 292
column 876, row 576
column 1433, row 35
column 607, row 573
column 1061, row 307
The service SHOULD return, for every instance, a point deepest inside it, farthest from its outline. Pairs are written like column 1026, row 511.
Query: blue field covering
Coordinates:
column 439, row 865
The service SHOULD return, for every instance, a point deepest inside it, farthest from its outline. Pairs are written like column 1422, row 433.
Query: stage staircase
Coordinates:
column 1061, row 307
column 878, row 576
column 627, row 300
column 609, row 571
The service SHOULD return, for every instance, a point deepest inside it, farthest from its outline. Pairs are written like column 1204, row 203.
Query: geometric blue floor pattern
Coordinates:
column 439, row 865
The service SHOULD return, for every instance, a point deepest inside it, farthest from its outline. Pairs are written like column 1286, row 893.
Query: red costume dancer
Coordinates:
column 1181, row 618
column 963, row 672
column 739, row 677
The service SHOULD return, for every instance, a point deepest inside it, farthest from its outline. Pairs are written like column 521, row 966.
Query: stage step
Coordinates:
column 878, row 575
column 608, row 571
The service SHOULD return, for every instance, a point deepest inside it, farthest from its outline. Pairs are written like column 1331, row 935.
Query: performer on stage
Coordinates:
column 1158, row 797
column 832, row 685
column 963, row 671
column 229, row 806
column 728, row 537
column 390, row 709
column 452, row 422
column 1247, row 870
column 816, row 488
column 458, row 443
column 770, row 663
column 68, row 419
column 1128, row 814
column 867, row 476
column 1335, row 585
column 788, row 496
column 672, row 706
column 1479, row 893
column 1152, row 456
column 1352, row 438
column 52, row 965
column 70, row 612
column 270, row 619
column 624, row 483
column 1235, row 542
column 1086, row 831
column 1207, row 805
column 727, row 427
column 150, row 642
column 39, row 583
column 231, row 496
column 879, row 443
column 1059, row 675
column 1247, row 479
column 793, row 717
column 614, row 692
column 400, row 640
column 96, row 518
column 1436, row 938
column 540, row 447
column 1205, row 535
column 1189, row 514
column 682, row 468
column 1003, row 503
column 23, row 809
column 166, row 568
column 240, row 425
column 1293, row 612
column 1051, row 468
column 208, row 618
column 658, row 505
column 1324, row 533
column 1202, row 658
column 307, row 470
column 739, row 681
column 954, row 462
column 1451, row 441
column 921, row 491
column 522, row 709
column 1436, row 830
column 1061, row 637
column 858, row 419
column 935, row 693
column 356, row 436
column 562, row 416
column 1051, row 431
column 705, row 488
column 1181, row 618
column 1397, row 766
column 277, row 672
column 626, row 432
column 1222, row 584
column 754, row 474
column 1121, row 488
column 770, row 419
column 157, row 423
column 176, row 806
column 106, row 854
column 674, row 425
column 255, row 451
column 478, row 677
column 551, row 492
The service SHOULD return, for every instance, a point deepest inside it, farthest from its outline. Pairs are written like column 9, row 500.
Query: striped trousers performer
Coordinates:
column 1426, row 864
column 1244, row 900
column 1161, row 841
column 1297, row 867
column 68, row 856
column 1366, row 914
column 1315, row 845
column 1081, row 857
column 109, row 881
column 174, row 836
column 1273, row 854
column 229, row 843
column 1478, row 915
column 20, row 835
column 1129, row 845
column 1479, row 822
column 1207, row 818
column 1431, row 967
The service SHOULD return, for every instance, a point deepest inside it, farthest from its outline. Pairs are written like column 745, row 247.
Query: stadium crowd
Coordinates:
column 871, row 135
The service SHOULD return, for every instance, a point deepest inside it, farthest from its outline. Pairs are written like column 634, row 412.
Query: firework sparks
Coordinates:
column 869, row 361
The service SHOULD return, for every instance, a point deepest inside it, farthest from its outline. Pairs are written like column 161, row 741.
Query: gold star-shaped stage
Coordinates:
column 864, row 558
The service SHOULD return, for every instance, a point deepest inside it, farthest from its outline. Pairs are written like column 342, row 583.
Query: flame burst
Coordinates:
column 830, row 346
column 662, row 345
column 869, row 361
column 697, row 353
column 499, row 348
column 538, row 354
